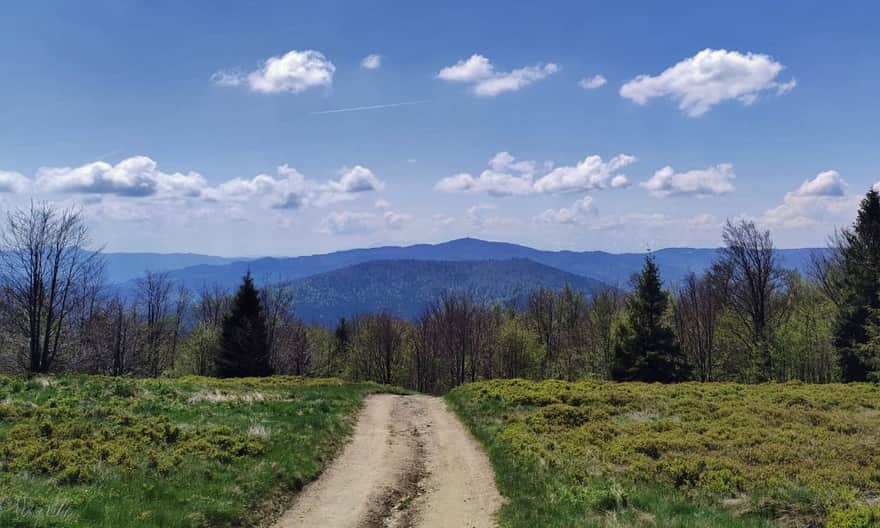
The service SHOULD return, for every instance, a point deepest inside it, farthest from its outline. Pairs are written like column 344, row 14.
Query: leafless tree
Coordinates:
column 277, row 300
column 697, row 309
column 153, row 299
column 47, row 267
column 212, row 305
column 755, row 282
column 543, row 312
column 604, row 312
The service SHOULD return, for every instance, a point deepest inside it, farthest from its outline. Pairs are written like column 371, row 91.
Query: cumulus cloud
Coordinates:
column 135, row 176
column 293, row 72
column 593, row 82
column 591, row 173
column 13, row 182
column 346, row 223
column 568, row 215
column 371, row 62
column 479, row 72
column 508, row 177
column 355, row 180
column 708, row 78
column 822, row 198
column 701, row 182
column 352, row 223
column 504, row 177
column 396, row 220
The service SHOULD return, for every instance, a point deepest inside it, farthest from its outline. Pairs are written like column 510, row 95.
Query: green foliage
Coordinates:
column 646, row 349
column 198, row 353
column 244, row 342
column 691, row 454
column 88, row 451
column 859, row 517
column 856, row 276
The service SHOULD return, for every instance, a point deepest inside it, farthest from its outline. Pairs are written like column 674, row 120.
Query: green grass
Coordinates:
column 689, row 455
column 91, row 451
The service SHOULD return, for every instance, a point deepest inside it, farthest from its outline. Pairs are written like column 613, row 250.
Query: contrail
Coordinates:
column 371, row 107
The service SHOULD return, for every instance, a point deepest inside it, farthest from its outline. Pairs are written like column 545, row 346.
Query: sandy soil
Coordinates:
column 410, row 464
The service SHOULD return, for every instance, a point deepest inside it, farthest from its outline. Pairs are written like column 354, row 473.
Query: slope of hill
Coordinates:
column 611, row 268
column 406, row 287
column 121, row 267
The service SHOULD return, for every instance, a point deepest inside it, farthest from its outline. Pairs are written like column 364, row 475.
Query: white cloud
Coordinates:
column 708, row 78
column 351, row 223
column 591, row 173
column 820, row 199
column 346, row 223
column 371, row 62
column 13, row 182
column 508, row 177
column 355, row 180
column 135, row 176
column 827, row 183
column 593, row 82
column 479, row 72
column 619, row 182
column 568, row 215
column 293, row 72
column 395, row 220
column 702, row 182
column 382, row 204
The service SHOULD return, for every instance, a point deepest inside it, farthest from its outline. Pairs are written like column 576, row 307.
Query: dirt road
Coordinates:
column 410, row 464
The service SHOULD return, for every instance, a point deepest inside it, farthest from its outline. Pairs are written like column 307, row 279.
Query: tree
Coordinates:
column 753, row 288
column 244, row 346
column 850, row 276
column 697, row 311
column 646, row 349
column 48, row 271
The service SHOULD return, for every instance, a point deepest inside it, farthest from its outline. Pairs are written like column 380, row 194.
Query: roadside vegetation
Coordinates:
column 92, row 451
column 695, row 455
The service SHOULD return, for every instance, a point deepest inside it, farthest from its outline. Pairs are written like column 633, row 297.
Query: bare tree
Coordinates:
column 543, row 312
column 212, row 306
column 277, row 300
column 753, row 290
column 46, row 266
column 697, row 310
column 604, row 312
column 153, row 299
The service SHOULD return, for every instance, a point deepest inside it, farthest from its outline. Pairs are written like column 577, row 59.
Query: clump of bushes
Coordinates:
column 780, row 450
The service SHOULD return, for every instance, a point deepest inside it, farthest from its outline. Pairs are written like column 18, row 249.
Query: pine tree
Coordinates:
column 646, row 349
column 244, row 344
column 858, row 285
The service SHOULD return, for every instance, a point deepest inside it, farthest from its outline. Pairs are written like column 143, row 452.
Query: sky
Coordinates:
column 290, row 128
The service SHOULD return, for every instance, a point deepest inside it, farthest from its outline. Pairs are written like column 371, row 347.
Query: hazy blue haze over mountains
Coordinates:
column 342, row 283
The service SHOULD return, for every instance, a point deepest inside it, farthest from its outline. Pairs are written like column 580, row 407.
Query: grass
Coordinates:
column 79, row 451
column 691, row 455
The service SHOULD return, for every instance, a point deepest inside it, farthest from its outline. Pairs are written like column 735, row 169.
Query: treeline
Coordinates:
column 744, row 319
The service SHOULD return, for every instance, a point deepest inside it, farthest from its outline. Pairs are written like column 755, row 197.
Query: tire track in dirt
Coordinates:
column 409, row 464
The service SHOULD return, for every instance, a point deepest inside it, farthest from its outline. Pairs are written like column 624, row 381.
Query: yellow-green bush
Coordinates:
column 793, row 450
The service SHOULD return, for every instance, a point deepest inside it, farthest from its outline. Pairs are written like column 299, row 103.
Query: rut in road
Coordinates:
column 410, row 464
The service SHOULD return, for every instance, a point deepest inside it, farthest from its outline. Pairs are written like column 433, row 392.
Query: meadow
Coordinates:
column 79, row 451
column 682, row 455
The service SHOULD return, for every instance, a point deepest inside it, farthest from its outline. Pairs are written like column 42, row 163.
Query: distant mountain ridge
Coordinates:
column 611, row 268
column 406, row 287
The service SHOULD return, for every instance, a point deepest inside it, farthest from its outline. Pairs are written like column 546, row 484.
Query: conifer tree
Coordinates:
column 646, row 349
column 244, row 344
column 857, row 285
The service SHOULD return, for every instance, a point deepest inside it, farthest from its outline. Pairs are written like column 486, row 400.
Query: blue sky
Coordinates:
column 211, row 127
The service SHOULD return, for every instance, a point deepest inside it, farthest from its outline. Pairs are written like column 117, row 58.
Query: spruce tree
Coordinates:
column 244, row 344
column 646, row 349
column 858, row 285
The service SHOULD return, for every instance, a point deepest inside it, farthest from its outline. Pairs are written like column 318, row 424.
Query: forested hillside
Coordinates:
column 406, row 287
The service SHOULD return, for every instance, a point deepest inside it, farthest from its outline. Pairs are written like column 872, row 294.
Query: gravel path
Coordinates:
column 410, row 464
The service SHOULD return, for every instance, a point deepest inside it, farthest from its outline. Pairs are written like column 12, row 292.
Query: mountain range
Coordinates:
column 402, row 279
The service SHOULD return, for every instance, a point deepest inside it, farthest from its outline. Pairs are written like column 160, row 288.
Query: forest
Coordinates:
column 746, row 319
